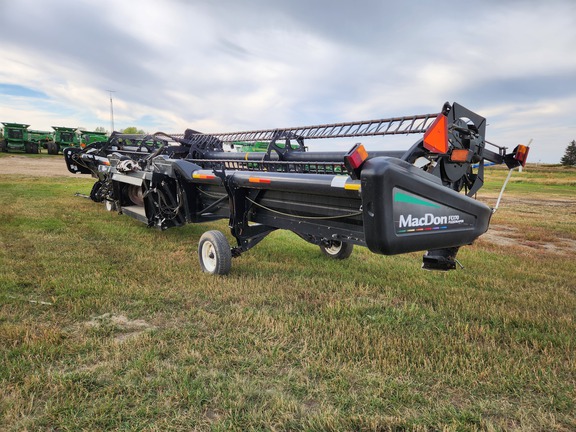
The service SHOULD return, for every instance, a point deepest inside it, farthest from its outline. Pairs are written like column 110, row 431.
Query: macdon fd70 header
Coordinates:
column 392, row 202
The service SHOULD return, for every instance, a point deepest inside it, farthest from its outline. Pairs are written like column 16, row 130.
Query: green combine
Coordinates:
column 63, row 137
column 17, row 138
column 91, row 137
column 42, row 138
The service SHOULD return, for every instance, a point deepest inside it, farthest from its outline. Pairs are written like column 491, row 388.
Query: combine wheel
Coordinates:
column 52, row 148
column 34, row 148
column 337, row 249
column 214, row 253
column 3, row 146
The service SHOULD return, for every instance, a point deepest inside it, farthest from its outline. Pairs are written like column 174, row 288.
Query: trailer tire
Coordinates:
column 337, row 249
column 214, row 253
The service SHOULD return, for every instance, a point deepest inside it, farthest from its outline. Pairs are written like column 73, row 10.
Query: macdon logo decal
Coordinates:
column 413, row 213
column 408, row 221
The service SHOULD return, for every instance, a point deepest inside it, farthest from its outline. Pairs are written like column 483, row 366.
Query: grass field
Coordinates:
column 108, row 325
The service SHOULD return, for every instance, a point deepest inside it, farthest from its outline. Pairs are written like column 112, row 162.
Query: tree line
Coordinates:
column 569, row 158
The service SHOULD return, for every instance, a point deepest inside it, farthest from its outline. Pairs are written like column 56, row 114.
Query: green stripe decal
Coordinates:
column 410, row 199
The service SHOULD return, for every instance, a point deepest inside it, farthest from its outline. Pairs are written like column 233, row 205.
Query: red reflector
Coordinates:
column 436, row 137
column 357, row 156
column 259, row 180
column 521, row 154
column 354, row 159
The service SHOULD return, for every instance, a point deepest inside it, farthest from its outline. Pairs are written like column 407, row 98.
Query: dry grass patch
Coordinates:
column 122, row 327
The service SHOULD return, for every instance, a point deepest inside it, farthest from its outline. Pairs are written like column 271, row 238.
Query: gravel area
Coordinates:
column 53, row 166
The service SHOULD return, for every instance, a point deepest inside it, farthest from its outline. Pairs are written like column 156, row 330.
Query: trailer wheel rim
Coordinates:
column 334, row 248
column 110, row 206
column 209, row 256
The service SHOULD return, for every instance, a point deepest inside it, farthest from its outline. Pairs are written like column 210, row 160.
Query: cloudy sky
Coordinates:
column 227, row 65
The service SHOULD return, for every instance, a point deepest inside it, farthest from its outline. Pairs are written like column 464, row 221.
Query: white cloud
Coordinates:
column 229, row 65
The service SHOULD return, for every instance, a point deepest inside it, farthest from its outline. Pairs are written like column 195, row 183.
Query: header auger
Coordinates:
column 389, row 201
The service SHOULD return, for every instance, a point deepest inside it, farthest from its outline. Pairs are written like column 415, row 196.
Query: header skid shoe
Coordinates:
column 440, row 259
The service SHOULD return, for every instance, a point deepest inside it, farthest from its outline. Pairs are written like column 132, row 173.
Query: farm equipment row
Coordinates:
column 17, row 137
column 391, row 202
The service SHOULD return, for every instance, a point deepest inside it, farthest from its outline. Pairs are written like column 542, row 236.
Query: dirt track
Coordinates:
column 53, row 166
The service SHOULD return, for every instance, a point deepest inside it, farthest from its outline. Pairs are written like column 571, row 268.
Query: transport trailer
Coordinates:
column 391, row 202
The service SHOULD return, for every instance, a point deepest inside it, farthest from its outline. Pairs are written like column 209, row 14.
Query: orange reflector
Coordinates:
column 459, row 155
column 357, row 156
column 354, row 159
column 436, row 137
column 259, row 180
column 106, row 163
column 203, row 176
column 521, row 154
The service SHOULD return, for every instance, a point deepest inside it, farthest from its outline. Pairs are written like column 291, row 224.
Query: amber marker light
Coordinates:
column 259, row 180
column 354, row 159
column 521, row 154
column 203, row 176
column 459, row 155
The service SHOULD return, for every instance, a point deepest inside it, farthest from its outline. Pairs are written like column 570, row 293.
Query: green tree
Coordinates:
column 569, row 157
column 100, row 129
column 133, row 130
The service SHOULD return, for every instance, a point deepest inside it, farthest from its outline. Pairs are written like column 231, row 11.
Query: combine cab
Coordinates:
column 17, row 138
column 391, row 202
